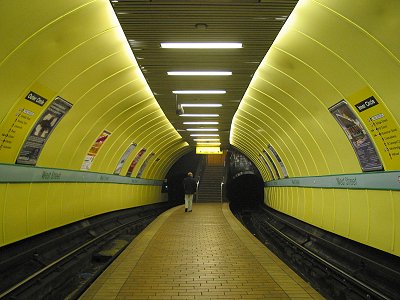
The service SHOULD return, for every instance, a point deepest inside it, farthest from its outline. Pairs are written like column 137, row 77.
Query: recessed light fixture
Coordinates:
column 206, row 140
column 208, row 144
column 202, row 45
column 202, row 129
column 200, row 123
column 199, row 73
column 199, row 92
column 204, row 134
column 200, row 105
column 200, row 115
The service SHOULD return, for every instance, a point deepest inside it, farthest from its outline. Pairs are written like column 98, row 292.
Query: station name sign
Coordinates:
column 35, row 98
column 367, row 103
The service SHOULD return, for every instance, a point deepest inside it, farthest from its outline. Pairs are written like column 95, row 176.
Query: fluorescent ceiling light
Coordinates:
column 199, row 92
column 202, row 129
column 200, row 105
column 204, row 134
column 200, row 123
column 208, row 144
column 206, row 140
column 199, row 115
column 202, row 45
column 199, row 73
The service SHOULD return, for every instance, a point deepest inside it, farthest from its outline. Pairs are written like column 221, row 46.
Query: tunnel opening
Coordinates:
column 337, row 267
column 244, row 185
column 245, row 192
column 174, row 178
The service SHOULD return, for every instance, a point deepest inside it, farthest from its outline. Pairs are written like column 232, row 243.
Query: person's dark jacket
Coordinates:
column 189, row 185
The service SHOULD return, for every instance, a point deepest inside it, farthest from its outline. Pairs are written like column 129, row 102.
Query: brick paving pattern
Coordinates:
column 205, row 254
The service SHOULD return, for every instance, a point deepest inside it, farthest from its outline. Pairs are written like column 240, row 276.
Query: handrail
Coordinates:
column 222, row 189
column 222, row 184
column 197, row 188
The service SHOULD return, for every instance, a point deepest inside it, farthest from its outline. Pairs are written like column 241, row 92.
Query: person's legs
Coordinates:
column 190, row 202
column 186, row 202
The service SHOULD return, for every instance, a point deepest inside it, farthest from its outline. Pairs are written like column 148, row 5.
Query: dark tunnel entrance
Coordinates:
column 245, row 192
column 245, row 186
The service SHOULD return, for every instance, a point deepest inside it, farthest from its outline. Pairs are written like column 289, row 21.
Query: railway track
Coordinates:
column 82, row 255
column 338, row 268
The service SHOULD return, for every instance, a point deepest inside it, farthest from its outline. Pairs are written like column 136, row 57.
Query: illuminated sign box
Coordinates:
column 208, row 150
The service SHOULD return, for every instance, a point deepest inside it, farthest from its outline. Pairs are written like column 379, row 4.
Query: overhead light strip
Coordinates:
column 199, row 73
column 208, row 144
column 206, row 140
column 201, row 105
column 202, row 129
column 200, row 115
column 201, row 123
column 202, row 45
column 204, row 134
column 199, row 92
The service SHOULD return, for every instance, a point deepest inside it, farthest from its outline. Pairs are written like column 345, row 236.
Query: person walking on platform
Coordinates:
column 189, row 185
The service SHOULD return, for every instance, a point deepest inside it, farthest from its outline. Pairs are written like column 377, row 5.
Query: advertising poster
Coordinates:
column 277, row 157
column 358, row 136
column 380, row 124
column 87, row 163
column 272, row 163
column 41, row 131
column 135, row 161
column 18, row 122
column 124, row 158
column 143, row 166
column 262, row 158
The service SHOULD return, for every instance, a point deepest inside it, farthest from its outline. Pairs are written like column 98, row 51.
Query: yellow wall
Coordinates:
column 76, row 50
column 28, row 209
column 327, row 51
column 369, row 217
column 65, row 51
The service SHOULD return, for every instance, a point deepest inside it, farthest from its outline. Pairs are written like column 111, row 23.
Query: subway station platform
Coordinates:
column 204, row 254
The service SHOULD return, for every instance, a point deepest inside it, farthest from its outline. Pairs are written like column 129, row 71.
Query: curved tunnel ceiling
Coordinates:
column 74, row 99
column 327, row 51
column 253, row 23
column 77, row 51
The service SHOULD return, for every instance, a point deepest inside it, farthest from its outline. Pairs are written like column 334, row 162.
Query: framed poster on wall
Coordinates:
column 358, row 137
column 135, row 161
column 279, row 160
column 42, row 129
column 262, row 158
column 380, row 124
column 272, row 163
column 140, row 172
column 94, row 149
column 124, row 158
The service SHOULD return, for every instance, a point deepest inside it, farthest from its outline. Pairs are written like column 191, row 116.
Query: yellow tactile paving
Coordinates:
column 205, row 254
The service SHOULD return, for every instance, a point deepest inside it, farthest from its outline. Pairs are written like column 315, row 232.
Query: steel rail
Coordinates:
column 330, row 265
column 287, row 223
column 63, row 258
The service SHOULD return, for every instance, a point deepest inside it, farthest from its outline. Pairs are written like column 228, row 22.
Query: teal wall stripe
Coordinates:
column 21, row 174
column 389, row 180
